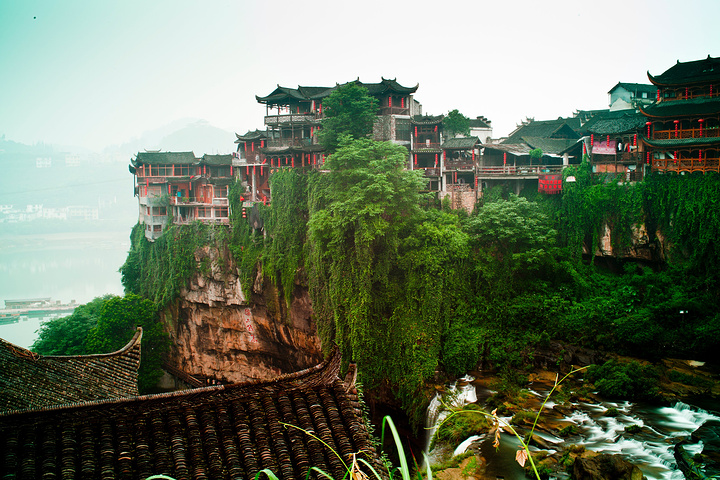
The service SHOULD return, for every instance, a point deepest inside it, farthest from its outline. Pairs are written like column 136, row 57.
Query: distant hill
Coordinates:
column 183, row 135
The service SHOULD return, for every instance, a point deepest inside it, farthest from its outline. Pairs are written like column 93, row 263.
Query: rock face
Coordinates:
column 641, row 246
column 218, row 332
column 605, row 467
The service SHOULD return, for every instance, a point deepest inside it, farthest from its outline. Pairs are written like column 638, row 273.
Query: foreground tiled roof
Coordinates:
column 220, row 432
column 32, row 381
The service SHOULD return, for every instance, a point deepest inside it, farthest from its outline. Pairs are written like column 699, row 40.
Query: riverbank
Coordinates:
column 577, row 428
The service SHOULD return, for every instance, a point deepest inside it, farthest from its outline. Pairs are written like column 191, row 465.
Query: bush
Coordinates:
column 629, row 380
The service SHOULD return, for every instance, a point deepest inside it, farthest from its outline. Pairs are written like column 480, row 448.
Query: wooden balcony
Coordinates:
column 689, row 165
column 393, row 111
column 289, row 142
column 521, row 170
column 430, row 172
column 686, row 133
column 630, row 158
column 426, row 146
column 305, row 118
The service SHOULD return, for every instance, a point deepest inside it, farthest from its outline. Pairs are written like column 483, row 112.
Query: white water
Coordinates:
column 651, row 449
column 452, row 397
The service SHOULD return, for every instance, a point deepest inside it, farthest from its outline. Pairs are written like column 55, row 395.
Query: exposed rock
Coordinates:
column 219, row 333
column 641, row 246
column 605, row 467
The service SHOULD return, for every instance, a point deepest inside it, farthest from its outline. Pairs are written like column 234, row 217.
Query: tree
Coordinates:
column 456, row 123
column 69, row 335
column 119, row 317
column 536, row 154
column 349, row 110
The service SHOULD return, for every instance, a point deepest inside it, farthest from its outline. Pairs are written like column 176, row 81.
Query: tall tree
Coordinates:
column 456, row 123
column 349, row 110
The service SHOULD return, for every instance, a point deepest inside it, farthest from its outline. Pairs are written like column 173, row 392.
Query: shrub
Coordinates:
column 629, row 380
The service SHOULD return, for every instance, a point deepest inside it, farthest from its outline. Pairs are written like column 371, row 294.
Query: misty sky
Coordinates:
column 97, row 73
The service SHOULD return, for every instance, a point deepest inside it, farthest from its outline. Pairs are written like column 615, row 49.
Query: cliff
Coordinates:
column 220, row 332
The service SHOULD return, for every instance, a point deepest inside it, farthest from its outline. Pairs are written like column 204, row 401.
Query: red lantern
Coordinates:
column 648, row 128
column 607, row 141
column 505, row 157
column 247, row 170
column 658, row 95
column 416, row 131
column 635, row 140
column 648, row 158
column 416, row 159
column 402, row 102
column 293, row 162
column 592, row 139
column 700, row 121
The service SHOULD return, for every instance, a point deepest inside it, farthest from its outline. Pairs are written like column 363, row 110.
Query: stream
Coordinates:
column 651, row 448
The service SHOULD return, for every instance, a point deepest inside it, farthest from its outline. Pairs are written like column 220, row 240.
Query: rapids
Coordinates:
column 650, row 448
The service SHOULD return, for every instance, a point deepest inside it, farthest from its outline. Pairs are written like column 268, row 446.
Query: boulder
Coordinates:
column 605, row 467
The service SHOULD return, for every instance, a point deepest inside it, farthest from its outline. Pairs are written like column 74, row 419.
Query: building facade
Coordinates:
column 683, row 125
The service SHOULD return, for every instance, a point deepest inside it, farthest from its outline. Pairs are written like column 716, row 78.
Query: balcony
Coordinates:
column 430, row 172
column 521, row 170
column 622, row 157
column 690, row 165
column 289, row 142
column 426, row 146
column 686, row 133
column 393, row 111
column 290, row 118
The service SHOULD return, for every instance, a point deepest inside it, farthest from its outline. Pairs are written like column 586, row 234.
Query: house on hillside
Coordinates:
column 426, row 148
column 630, row 96
column 612, row 139
column 510, row 163
column 178, row 188
column 683, row 126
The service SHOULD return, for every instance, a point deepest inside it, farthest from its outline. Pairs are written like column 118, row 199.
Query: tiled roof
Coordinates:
column 32, row 381
column 427, row 119
column 282, row 95
column 545, row 128
column 216, row 159
column 460, row 143
column 165, row 158
column 684, row 142
column 696, row 107
column 250, row 135
column 696, row 72
column 550, row 145
column 479, row 122
column 636, row 88
column 219, row 432
column 613, row 122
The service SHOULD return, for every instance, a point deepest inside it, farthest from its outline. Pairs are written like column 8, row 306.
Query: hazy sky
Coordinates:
column 95, row 73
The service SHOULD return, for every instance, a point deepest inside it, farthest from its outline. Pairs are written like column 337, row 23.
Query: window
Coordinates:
column 221, row 191
column 160, row 211
column 402, row 130
column 157, row 228
column 221, row 212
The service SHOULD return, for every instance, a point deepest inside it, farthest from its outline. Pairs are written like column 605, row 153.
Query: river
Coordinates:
column 62, row 266
column 651, row 449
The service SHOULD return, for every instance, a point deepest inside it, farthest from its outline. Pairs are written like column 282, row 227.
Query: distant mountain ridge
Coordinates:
column 184, row 135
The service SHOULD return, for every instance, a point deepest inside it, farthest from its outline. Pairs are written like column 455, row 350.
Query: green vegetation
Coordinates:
column 349, row 110
column 455, row 123
column 105, row 325
column 629, row 380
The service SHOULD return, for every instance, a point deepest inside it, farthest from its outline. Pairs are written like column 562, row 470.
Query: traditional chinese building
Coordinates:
column 178, row 188
column 614, row 144
column 683, row 125
column 426, row 148
column 629, row 96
